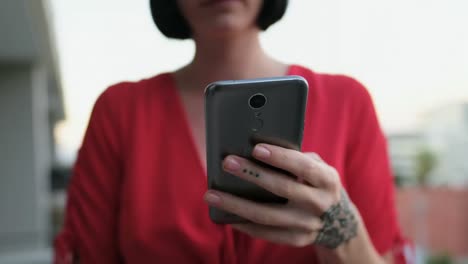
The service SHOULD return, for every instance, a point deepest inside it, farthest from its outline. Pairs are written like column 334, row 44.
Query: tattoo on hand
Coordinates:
column 339, row 224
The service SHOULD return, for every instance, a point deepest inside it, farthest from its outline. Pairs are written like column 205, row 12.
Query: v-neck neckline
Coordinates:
column 181, row 112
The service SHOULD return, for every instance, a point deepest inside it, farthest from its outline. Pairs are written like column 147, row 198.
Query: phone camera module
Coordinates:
column 257, row 101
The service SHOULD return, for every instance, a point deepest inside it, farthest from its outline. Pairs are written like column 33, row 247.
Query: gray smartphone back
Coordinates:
column 235, row 124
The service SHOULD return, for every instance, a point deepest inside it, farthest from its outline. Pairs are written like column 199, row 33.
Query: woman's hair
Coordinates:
column 169, row 20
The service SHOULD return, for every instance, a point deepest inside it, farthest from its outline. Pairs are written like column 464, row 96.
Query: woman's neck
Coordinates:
column 237, row 56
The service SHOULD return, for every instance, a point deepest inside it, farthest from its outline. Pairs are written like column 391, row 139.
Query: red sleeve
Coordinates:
column 368, row 174
column 90, row 229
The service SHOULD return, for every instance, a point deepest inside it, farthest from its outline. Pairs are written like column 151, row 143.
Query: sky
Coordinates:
column 411, row 55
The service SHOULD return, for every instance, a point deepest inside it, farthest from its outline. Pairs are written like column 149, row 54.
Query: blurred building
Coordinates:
column 435, row 217
column 30, row 105
column 443, row 135
column 446, row 134
column 403, row 150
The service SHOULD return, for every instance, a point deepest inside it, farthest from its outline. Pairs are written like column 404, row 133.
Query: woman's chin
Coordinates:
column 225, row 27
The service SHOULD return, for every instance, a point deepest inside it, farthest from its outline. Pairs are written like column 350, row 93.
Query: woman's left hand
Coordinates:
column 318, row 211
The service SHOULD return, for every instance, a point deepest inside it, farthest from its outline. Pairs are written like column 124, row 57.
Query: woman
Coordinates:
column 138, row 193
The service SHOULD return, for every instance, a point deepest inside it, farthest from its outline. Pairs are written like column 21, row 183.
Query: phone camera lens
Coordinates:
column 257, row 101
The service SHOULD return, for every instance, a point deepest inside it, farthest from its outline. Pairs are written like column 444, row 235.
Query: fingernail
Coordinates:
column 212, row 198
column 231, row 164
column 261, row 152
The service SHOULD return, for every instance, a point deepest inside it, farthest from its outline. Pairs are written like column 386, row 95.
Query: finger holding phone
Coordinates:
column 318, row 210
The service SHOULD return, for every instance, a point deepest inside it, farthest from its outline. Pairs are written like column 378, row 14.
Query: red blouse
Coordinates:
column 136, row 195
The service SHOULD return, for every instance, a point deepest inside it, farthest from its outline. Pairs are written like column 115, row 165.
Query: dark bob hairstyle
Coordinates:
column 172, row 24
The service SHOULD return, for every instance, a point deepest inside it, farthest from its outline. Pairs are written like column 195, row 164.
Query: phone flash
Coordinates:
column 257, row 125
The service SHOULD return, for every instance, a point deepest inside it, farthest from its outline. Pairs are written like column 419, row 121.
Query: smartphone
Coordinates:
column 241, row 113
